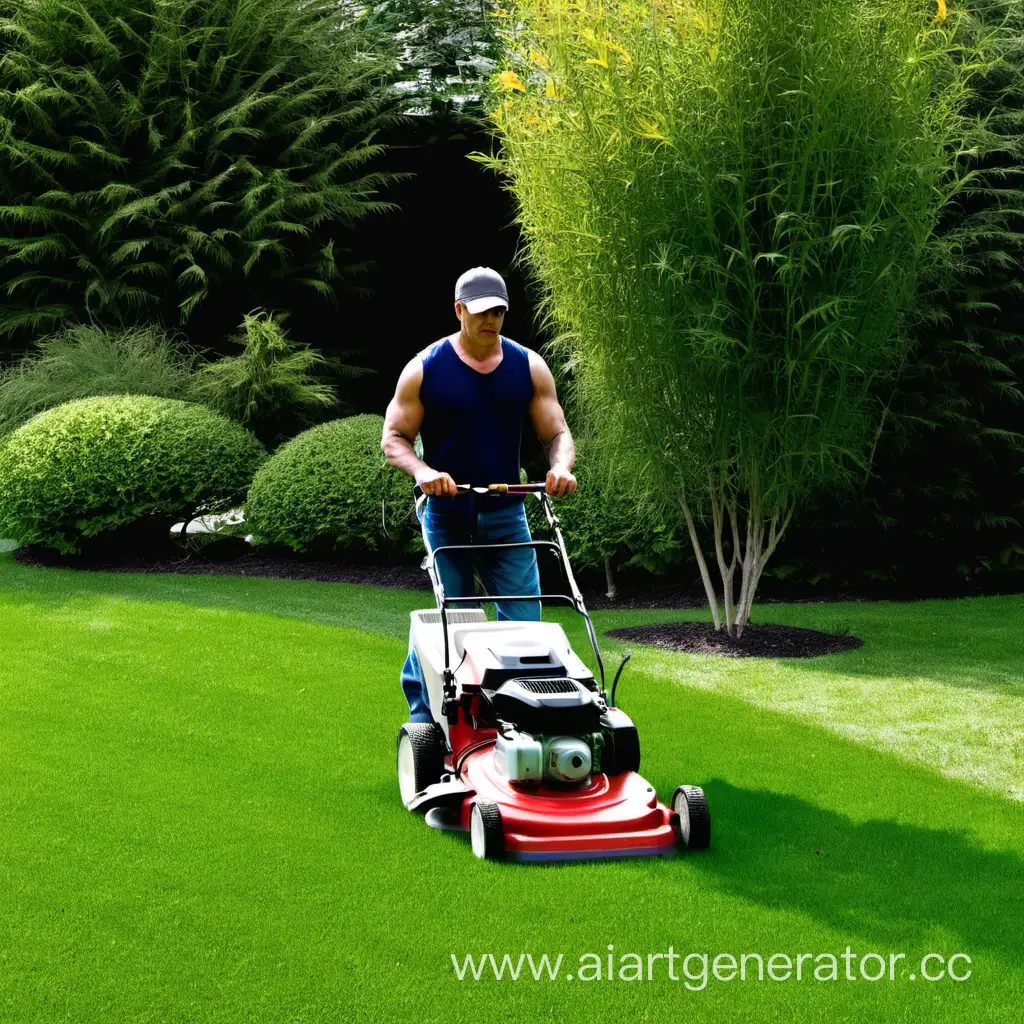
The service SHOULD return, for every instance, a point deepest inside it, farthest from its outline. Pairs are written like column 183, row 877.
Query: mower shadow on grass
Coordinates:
column 891, row 884
column 887, row 881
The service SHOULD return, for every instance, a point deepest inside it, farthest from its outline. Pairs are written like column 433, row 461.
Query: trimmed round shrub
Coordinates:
column 331, row 487
column 93, row 465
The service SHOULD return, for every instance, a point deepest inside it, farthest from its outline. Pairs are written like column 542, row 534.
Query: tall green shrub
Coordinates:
column 84, row 360
column 93, row 465
column 607, row 524
column 152, row 151
column 272, row 386
column 732, row 206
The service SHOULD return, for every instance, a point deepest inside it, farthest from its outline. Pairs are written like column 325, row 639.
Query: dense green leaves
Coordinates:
column 90, row 466
column 151, row 151
column 271, row 387
column 83, row 360
column 330, row 488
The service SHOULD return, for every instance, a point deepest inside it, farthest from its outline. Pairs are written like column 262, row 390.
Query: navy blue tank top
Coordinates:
column 473, row 422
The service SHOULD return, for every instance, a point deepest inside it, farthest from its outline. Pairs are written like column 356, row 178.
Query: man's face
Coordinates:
column 482, row 328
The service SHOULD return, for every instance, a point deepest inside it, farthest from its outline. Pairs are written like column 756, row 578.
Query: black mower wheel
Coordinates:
column 420, row 758
column 691, row 818
column 485, row 830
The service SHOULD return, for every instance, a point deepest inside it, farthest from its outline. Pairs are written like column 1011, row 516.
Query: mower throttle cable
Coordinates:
column 615, row 681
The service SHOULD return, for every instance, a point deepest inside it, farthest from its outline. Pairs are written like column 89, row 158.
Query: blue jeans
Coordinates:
column 502, row 572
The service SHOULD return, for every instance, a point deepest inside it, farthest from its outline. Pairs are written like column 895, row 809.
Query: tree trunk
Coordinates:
column 756, row 557
column 750, row 556
column 704, row 574
column 609, row 579
column 720, row 506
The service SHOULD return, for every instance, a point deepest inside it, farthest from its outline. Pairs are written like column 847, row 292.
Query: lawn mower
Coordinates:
column 527, row 752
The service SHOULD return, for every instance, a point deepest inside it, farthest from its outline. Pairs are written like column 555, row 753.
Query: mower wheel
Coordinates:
column 691, row 818
column 421, row 749
column 485, row 830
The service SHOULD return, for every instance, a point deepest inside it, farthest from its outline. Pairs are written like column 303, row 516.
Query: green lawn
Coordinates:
column 199, row 819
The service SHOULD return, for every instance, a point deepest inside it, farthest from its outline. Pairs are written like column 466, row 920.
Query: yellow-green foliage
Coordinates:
column 89, row 466
column 326, row 487
column 732, row 208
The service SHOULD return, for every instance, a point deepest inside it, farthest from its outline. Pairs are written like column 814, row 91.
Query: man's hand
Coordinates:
column 560, row 483
column 437, row 484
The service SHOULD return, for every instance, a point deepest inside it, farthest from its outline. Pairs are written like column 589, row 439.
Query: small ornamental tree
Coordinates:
column 731, row 206
column 272, row 386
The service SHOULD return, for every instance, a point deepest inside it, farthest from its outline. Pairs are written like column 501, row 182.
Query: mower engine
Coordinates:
column 526, row 758
column 559, row 731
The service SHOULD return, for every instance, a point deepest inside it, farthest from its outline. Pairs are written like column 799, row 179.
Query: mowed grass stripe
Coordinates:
column 937, row 682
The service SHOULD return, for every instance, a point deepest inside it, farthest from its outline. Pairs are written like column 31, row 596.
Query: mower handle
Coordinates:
column 576, row 600
column 503, row 488
column 489, row 489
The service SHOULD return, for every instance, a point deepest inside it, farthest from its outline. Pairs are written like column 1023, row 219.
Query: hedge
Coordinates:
column 331, row 487
column 96, row 464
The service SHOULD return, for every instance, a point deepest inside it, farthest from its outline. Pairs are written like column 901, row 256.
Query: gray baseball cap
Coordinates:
column 481, row 288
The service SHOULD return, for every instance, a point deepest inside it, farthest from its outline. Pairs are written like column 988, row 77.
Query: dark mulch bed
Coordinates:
column 225, row 558
column 756, row 641
column 233, row 557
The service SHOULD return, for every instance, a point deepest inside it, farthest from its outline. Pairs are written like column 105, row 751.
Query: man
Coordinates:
column 468, row 395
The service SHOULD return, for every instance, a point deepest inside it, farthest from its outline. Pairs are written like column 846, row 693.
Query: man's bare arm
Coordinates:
column 561, row 451
column 403, row 419
column 548, row 421
column 402, row 423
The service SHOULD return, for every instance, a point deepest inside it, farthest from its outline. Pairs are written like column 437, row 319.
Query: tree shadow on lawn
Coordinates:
column 891, row 883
